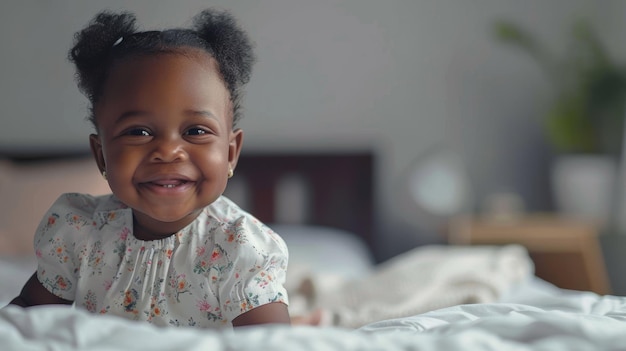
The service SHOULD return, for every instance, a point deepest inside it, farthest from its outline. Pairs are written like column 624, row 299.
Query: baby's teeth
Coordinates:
column 169, row 185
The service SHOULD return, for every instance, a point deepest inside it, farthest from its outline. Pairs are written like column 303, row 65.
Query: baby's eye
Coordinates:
column 196, row 131
column 138, row 132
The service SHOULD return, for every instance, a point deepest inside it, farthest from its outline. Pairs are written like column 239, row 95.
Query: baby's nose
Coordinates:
column 169, row 150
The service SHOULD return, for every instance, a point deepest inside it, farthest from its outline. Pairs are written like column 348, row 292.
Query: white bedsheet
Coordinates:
column 577, row 321
column 534, row 316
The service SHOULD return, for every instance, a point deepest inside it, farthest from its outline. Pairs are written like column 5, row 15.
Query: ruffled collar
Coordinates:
column 115, row 214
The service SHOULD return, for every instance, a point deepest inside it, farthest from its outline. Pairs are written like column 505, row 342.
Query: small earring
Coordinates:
column 104, row 175
column 230, row 173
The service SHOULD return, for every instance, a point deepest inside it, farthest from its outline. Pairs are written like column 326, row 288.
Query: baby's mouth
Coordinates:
column 169, row 184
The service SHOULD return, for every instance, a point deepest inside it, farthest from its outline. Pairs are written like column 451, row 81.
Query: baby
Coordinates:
column 165, row 247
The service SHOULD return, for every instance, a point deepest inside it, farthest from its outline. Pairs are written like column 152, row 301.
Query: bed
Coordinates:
column 324, row 206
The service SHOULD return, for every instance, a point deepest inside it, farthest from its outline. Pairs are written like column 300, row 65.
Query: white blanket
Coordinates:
column 571, row 322
column 420, row 280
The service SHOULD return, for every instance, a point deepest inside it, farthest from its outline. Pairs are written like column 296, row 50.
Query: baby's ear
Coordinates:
column 96, row 150
column 234, row 147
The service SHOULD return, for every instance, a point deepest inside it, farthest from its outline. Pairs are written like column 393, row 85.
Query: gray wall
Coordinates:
column 400, row 77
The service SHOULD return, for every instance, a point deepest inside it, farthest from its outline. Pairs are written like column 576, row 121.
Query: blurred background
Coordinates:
column 449, row 94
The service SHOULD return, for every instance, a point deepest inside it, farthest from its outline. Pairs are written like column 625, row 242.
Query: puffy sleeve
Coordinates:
column 56, row 240
column 259, row 264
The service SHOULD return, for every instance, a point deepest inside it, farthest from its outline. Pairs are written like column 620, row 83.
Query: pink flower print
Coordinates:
column 200, row 251
column 38, row 253
column 168, row 253
column 204, row 306
column 52, row 219
column 215, row 255
column 124, row 233
column 213, row 314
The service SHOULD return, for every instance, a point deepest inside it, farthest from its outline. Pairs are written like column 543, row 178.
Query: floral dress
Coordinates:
column 221, row 265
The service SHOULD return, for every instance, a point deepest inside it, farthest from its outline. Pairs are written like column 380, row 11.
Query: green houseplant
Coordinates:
column 584, row 122
column 587, row 110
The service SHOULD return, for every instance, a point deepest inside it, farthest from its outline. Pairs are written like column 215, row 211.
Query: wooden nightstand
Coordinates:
column 566, row 251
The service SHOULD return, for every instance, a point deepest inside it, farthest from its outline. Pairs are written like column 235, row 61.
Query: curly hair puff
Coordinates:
column 112, row 37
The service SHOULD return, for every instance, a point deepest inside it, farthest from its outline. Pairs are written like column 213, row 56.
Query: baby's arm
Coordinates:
column 274, row 312
column 34, row 293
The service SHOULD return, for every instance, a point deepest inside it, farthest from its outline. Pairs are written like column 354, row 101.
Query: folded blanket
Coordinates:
column 424, row 279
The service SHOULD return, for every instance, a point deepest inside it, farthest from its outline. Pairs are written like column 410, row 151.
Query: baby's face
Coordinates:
column 165, row 138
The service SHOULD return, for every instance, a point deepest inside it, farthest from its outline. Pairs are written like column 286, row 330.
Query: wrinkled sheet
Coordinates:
column 574, row 321
column 420, row 280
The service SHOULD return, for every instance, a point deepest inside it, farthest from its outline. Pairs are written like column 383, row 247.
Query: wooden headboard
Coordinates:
column 326, row 189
